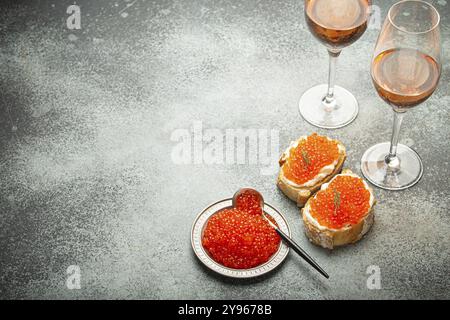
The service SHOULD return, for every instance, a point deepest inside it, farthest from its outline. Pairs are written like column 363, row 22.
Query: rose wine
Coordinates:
column 337, row 23
column 405, row 77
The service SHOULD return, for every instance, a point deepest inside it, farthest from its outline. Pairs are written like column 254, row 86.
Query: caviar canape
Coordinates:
column 308, row 163
column 341, row 212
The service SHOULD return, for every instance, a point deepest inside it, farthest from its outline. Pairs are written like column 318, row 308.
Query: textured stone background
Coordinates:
column 86, row 176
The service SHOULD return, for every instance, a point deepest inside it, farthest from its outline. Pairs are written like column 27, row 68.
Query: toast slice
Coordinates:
column 301, row 193
column 329, row 237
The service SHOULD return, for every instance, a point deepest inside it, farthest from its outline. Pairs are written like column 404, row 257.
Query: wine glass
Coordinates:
column 336, row 24
column 405, row 70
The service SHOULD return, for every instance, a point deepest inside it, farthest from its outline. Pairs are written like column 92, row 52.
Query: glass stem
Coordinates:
column 329, row 98
column 392, row 160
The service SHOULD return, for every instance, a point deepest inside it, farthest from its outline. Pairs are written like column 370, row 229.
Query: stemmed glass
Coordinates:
column 405, row 71
column 336, row 24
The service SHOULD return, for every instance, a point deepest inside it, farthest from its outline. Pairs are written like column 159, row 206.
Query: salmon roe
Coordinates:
column 306, row 160
column 343, row 203
column 249, row 201
column 239, row 237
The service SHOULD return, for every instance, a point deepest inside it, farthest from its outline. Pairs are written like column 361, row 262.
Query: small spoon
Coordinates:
column 291, row 243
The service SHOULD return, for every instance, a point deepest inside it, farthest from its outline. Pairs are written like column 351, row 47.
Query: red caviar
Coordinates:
column 343, row 203
column 249, row 202
column 239, row 237
column 306, row 160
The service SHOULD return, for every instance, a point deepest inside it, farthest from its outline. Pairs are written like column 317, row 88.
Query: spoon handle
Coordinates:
column 301, row 252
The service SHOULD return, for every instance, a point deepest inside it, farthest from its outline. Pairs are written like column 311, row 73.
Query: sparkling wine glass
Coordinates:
column 405, row 70
column 336, row 24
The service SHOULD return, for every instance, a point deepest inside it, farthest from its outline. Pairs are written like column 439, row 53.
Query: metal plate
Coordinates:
column 196, row 240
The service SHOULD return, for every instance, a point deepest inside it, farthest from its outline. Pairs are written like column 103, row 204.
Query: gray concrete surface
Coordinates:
column 88, row 176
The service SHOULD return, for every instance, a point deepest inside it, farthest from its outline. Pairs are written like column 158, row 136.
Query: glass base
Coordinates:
column 316, row 112
column 375, row 169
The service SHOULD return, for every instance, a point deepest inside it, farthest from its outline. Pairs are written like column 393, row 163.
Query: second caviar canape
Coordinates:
column 308, row 163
